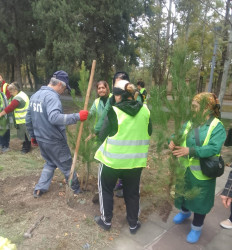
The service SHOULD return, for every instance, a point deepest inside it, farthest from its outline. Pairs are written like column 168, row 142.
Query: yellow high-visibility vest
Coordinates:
column 128, row 148
column 20, row 113
column 192, row 163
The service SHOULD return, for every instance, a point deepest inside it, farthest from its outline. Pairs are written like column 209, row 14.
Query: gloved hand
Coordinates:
column 83, row 115
column 34, row 142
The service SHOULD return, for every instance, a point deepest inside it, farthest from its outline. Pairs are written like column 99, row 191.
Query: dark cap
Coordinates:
column 62, row 76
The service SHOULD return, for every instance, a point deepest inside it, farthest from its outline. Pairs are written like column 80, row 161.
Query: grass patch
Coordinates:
column 89, row 221
column 2, row 211
column 14, row 234
column 18, row 164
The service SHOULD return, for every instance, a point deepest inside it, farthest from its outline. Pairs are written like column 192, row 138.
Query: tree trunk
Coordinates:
column 187, row 24
column 33, row 69
column 201, row 50
column 166, row 51
column 226, row 65
column 157, row 63
column 171, row 49
column 225, row 38
column 17, row 70
column 7, row 77
column 28, row 76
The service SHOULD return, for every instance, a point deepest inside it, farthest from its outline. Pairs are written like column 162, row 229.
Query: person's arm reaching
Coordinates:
column 56, row 117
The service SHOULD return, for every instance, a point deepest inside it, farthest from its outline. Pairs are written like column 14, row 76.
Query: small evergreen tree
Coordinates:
column 86, row 150
column 164, row 112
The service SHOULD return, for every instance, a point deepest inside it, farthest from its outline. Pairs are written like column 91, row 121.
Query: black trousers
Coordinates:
column 107, row 178
column 198, row 219
column 26, row 147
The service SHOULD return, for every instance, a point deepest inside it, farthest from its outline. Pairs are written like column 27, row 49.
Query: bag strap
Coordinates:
column 196, row 130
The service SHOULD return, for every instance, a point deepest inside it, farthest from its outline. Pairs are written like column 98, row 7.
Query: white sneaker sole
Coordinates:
column 225, row 226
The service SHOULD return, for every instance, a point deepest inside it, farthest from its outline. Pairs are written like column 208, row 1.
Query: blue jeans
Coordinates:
column 5, row 139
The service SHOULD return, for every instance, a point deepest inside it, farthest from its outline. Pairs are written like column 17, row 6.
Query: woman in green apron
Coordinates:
column 212, row 135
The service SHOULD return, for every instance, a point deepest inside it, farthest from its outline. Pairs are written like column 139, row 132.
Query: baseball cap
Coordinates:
column 62, row 76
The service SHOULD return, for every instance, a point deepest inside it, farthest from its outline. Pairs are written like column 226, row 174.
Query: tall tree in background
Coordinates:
column 226, row 28
column 59, row 23
column 155, row 37
column 38, row 37
column 227, row 62
column 106, row 34
column 78, row 31
column 16, row 27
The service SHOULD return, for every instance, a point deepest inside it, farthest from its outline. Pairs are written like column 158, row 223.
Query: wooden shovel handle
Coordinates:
column 82, row 123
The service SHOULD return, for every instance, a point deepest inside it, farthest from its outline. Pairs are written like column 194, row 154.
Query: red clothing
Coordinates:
column 7, row 91
column 13, row 105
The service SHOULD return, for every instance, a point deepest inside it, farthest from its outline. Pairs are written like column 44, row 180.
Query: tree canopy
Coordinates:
column 38, row 37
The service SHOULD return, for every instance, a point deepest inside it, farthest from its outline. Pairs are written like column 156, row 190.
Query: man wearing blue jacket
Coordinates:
column 46, row 123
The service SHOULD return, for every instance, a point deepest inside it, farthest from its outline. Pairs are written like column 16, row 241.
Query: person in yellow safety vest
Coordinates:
column 19, row 106
column 142, row 97
column 120, row 75
column 206, row 111
column 103, row 92
column 123, row 154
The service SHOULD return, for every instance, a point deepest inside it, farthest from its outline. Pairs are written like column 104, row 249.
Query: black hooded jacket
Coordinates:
column 110, row 125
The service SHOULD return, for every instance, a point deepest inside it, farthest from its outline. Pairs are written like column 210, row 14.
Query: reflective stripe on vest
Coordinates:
column 20, row 113
column 192, row 163
column 184, row 160
column 97, row 102
column 127, row 142
column 4, row 88
column 128, row 148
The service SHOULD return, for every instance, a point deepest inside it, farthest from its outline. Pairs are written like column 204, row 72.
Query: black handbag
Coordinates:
column 211, row 166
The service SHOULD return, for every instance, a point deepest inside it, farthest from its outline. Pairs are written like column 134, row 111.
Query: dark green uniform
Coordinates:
column 204, row 201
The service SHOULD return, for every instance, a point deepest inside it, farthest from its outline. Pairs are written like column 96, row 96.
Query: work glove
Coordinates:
column 34, row 142
column 83, row 115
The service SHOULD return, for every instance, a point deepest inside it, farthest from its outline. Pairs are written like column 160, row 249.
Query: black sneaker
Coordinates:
column 133, row 230
column 25, row 151
column 102, row 224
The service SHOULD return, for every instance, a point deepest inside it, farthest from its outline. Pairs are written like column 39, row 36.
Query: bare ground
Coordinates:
column 64, row 227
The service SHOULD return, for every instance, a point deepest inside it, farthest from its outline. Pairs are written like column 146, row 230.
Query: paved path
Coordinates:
column 226, row 115
column 157, row 235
